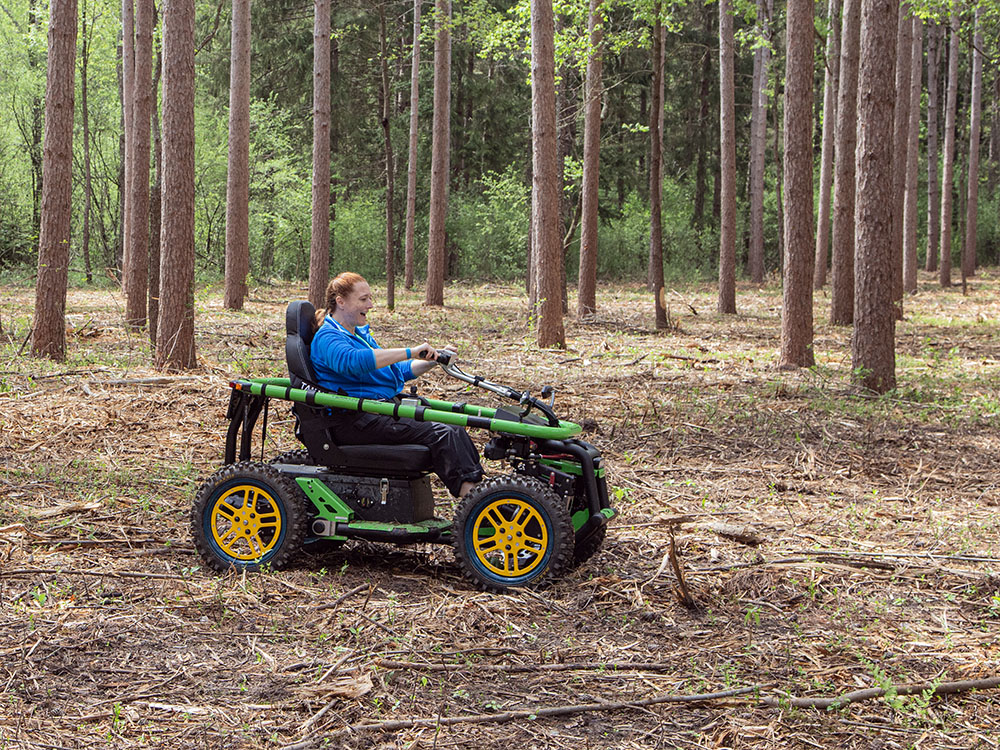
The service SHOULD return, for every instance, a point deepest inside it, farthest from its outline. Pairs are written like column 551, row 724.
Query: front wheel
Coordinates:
column 512, row 531
column 248, row 515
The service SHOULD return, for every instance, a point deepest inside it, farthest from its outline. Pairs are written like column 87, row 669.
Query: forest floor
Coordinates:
column 830, row 540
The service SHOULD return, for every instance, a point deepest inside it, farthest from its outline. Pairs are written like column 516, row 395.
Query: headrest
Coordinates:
column 299, row 319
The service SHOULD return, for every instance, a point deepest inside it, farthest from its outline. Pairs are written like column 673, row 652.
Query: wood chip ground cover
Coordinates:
column 831, row 541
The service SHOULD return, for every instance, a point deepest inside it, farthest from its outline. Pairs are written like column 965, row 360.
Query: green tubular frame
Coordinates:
column 446, row 412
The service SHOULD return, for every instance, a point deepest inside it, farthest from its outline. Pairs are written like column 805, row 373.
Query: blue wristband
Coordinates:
column 408, row 355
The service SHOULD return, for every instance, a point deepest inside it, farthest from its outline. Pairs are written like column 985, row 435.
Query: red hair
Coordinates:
column 341, row 286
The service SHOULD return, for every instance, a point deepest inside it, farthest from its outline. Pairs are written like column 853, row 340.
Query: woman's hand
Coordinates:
column 424, row 351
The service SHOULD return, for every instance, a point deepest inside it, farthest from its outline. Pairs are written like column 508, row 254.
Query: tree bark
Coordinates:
column 319, row 249
column 872, row 346
column 175, row 329
column 49, row 333
column 411, row 168
column 88, row 187
column 546, row 182
column 136, row 262
column 797, row 317
column 758, row 145
column 587, row 282
column 842, row 245
column 975, row 126
column 440, row 158
column 933, row 249
column 727, row 161
column 654, row 274
column 911, row 207
column 832, row 71
column 948, row 163
column 238, row 172
column 155, row 208
column 384, row 115
column 901, row 123
column 128, row 157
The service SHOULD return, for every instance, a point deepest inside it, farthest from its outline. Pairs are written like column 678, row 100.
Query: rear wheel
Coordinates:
column 248, row 515
column 512, row 531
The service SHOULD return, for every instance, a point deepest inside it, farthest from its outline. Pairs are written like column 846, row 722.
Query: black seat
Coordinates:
column 311, row 426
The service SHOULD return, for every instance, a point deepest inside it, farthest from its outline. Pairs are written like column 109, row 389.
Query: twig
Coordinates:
column 341, row 598
column 683, row 594
column 647, row 666
column 855, row 696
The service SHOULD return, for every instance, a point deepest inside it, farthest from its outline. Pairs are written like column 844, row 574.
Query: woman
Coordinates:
column 348, row 360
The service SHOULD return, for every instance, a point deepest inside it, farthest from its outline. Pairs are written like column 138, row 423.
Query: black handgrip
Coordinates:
column 444, row 357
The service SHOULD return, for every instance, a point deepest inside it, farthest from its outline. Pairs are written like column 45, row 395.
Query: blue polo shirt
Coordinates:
column 345, row 361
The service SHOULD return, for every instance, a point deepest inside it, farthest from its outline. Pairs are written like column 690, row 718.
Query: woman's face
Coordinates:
column 354, row 307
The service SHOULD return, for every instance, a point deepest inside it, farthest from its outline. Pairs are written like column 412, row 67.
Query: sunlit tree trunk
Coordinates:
column 873, row 345
column 832, row 70
column 440, row 157
column 948, row 162
column 175, row 328
column 842, row 245
column 319, row 249
column 758, row 144
column 796, row 309
column 49, row 333
column 901, row 123
column 587, row 283
column 727, row 159
column 933, row 186
column 411, row 169
column 975, row 125
column 911, row 207
column 546, row 183
column 238, row 172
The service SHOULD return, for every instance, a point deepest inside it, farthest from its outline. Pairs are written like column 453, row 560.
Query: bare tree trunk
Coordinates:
column 238, row 173
column 796, row 310
column 587, row 282
column 175, row 328
column 546, row 181
column 933, row 186
column 842, row 247
column 440, row 157
column 88, row 188
column 34, row 141
column 155, row 207
column 901, row 122
column 826, row 159
column 136, row 266
column 49, row 333
column 319, row 249
column 128, row 131
column 975, row 125
column 911, row 207
column 873, row 344
column 948, row 166
column 758, row 145
column 411, row 168
column 390, row 238
column 778, row 187
column 654, row 274
column 704, row 128
column 727, row 160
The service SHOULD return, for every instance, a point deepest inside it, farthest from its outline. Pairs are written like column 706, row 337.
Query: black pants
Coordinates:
column 453, row 454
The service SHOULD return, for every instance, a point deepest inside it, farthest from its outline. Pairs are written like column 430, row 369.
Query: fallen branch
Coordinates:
column 855, row 696
column 642, row 666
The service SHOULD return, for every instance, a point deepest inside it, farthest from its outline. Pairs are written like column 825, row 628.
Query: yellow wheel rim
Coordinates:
column 510, row 538
column 246, row 522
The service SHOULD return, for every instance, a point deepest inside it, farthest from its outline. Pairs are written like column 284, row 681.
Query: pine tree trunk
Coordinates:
column 390, row 237
column 727, row 161
column 842, row 245
column 758, row 144
column 911, row 207
column 933, row 249
column 37, row 105
column 411, row 168
column 872, row 346
column 654, row 273
column 948, row 164
column 49, row 333
column 975, row 125
column 88, row 187
column 136, row 271
column 155, row 207
column 175, row 328
column 440, row 157
column 901, row 123
column 319, row 248
column 128, row 131
column 546, row 182
column 587, row 282
column 797, row 317
column 832, row 70
column 238, row 171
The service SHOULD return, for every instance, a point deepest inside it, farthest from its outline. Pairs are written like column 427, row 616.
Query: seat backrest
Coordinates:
column 298, row 337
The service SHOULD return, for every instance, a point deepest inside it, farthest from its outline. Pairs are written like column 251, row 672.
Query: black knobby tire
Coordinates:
column 512, row 531
column 247, row 516
column 298, row 457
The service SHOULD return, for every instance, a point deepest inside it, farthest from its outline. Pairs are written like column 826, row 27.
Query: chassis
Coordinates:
column 546, row 514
